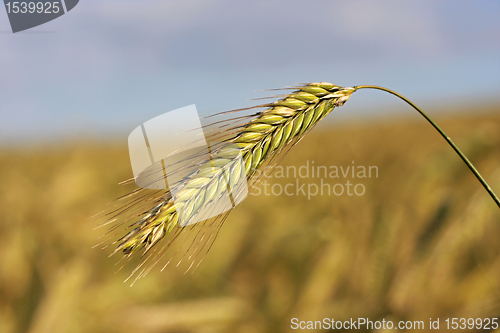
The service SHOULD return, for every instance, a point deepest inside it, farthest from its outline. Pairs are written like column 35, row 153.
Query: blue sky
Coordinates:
column 107, row 66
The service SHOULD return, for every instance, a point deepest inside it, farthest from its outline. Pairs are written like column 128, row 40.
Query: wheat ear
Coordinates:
column 258, row 138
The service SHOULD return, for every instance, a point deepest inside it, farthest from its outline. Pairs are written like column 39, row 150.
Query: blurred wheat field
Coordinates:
column 422, row 242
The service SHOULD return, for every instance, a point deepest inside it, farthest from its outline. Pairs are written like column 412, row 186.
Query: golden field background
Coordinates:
column 423, row 242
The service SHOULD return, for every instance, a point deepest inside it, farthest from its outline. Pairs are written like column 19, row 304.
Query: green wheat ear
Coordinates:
column 259, row 139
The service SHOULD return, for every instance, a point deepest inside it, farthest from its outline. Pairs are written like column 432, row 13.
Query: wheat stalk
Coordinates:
column 258, row 138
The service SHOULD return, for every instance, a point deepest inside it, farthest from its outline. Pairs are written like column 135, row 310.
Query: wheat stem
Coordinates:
column 443, row 134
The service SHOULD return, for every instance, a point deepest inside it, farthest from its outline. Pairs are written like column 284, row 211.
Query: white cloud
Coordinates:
column 411, row 25
column 165, row 15
column 103, row 52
